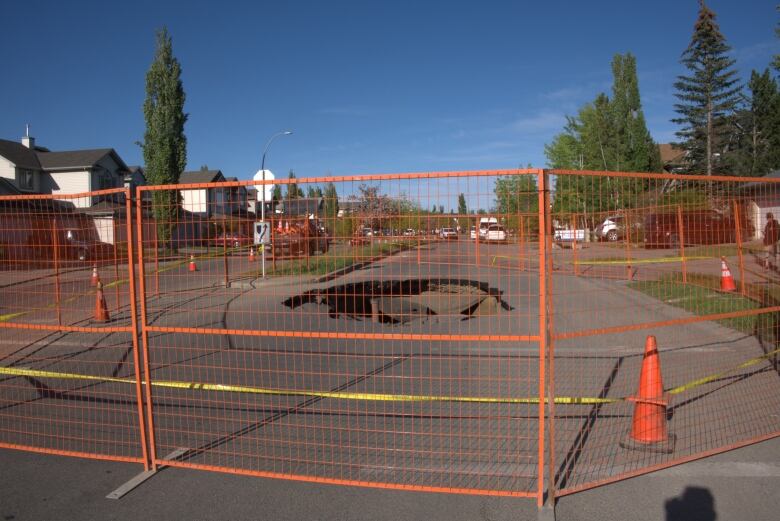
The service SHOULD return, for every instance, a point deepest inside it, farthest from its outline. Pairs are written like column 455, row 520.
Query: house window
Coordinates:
column 105, row 182
column 24, row 179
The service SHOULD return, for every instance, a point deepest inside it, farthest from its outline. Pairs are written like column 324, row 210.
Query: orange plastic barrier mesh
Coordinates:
column 53, row 251
column 347, row 349
column 473, row 332
column 652, row 265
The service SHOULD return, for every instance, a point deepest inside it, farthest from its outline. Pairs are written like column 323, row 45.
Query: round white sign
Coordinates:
column 264, row 175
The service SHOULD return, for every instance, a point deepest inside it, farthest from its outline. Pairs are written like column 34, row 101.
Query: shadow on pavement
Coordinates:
column 694, row 504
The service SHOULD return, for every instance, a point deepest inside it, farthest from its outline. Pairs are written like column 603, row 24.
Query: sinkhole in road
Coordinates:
column 397, row 302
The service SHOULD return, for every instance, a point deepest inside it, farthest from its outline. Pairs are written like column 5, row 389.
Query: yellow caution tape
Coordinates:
column 9, row 316
column 340, row 395
column 633, row 262
column 707, row 379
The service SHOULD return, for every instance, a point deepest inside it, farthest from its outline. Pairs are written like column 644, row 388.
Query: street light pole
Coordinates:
column 262, row 169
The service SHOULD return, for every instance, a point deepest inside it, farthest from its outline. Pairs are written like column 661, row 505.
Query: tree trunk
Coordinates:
column 709, row 137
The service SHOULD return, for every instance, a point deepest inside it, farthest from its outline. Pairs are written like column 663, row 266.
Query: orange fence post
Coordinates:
column 681, row 235
column 738, row 222
column 134, row 322
column 545, row 398
column 57, row 296
column 147, row 374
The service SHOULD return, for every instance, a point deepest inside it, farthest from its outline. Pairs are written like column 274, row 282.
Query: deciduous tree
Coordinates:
column 165, row 145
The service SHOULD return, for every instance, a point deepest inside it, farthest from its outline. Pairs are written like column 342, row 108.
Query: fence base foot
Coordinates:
column 546, row 513
column 137, row 480
column 130, row 485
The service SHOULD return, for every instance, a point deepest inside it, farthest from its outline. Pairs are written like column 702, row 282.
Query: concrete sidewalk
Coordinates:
column 741, row 484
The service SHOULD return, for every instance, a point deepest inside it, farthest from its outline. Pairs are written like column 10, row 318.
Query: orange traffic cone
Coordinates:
column 192, row 266
column 726, row 280
column 251, row 254
column 101, row 309
column 95, row 277
column 649, row 431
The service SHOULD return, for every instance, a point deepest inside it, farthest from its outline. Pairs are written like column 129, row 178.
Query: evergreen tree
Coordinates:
column 708, row 96
column 293, row 190
column 276, row 193
column 331, row 201
column 634, row 148
column 462, row 207
column 165, row 145
column 776, row 59
column 756, row 138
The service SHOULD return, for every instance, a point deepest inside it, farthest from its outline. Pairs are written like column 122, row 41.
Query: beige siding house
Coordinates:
column 32, row 169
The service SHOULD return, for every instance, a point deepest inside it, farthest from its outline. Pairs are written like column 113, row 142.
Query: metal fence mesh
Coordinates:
column 475, row 332
column 67, row 382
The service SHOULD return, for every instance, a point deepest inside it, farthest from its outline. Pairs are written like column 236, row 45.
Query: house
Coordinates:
column 300, row 207
column 348, row 207
column 31, row 169
column 760, row 199
column 673, row 158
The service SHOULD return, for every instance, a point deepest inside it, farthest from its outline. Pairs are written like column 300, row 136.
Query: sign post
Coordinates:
column 264, row 192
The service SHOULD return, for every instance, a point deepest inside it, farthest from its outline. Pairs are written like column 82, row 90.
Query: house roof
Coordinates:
column 302, row 206
column 201, row 176
column 671, row 153
column 76, row 159
column 749, row 187
column 8, row 188
column 19, row 154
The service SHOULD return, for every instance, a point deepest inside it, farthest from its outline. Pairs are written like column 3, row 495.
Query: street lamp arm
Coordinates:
column 265, row 150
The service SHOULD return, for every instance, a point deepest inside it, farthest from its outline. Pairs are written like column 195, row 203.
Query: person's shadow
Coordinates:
column 695, row 504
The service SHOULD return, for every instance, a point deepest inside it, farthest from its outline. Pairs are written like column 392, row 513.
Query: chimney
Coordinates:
column 28, row 140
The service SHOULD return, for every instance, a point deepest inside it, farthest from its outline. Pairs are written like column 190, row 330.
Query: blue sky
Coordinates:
column 367, row 87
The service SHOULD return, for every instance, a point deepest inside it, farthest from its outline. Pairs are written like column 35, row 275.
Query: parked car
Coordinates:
column 495, row 233
column 484, row 224
column 232, row 240
column 473, row 233
column 662, row 230
column 409, row 232
column 612, row 229
column 448, row 234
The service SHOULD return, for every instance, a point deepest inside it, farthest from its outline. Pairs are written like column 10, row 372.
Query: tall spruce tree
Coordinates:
column 708, row 96
column 756, row 135
column 776, row 59
column 165, row 145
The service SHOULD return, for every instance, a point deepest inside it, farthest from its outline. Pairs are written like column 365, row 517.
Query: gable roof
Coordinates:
column 8, row 188
column 749, row 187
column 19, row 154
column 301, row 206
column 77, row 159
column 201, row 176
column 671, row 153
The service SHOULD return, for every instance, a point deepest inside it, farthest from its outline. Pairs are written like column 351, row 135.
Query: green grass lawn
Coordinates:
column 338, row 257
column 701, row 296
